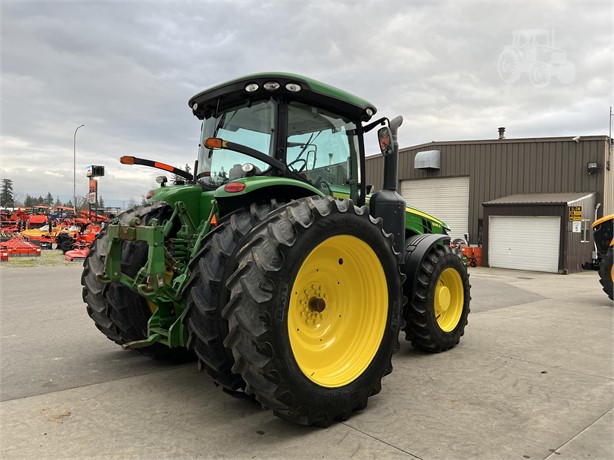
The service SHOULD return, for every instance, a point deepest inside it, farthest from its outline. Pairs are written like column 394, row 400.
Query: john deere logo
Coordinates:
column 533, row 52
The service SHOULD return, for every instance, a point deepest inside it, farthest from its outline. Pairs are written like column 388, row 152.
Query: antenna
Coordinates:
column 607, row 165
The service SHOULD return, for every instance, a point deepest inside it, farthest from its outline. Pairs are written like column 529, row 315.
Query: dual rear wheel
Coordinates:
column 301, row 321
column 309, row 314
column 119, row 313
column 207, row 294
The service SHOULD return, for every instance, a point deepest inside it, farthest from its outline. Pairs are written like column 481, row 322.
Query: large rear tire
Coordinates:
column 207, row 293
column 436, row 315
column 314, row 311
column 93, row 291
column 606, row 273
column 118, row 312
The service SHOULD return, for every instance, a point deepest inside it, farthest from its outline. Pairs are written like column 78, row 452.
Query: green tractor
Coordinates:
column 271, row 264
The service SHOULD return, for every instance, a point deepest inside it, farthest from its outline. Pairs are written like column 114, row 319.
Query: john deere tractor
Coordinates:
column 271, row 264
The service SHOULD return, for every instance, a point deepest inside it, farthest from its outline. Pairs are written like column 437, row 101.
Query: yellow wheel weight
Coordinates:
column 337, row 311
column 449, row 299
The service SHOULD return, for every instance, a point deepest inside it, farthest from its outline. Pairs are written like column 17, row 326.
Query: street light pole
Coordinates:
column 74, row 169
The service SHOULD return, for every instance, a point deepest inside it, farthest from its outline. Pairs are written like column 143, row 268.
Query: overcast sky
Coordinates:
column 126, row 69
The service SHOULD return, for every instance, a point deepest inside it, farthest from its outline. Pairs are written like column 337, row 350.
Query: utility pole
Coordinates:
column 74, row 169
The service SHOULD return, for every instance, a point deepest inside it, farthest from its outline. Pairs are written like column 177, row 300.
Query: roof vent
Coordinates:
column 429, row 159
column 502, row 132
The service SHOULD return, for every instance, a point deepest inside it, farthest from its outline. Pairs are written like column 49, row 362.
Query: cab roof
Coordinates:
column 310, row 91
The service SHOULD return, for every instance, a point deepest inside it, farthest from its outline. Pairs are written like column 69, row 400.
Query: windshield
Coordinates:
column 322, row 147
column 251, row 126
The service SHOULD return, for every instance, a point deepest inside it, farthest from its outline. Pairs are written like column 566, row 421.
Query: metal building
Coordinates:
column 453, row 180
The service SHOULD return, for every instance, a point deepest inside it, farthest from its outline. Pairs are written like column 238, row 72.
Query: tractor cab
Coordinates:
column 282, row 125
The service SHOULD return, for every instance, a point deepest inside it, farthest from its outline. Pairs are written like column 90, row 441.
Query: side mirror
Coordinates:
column 384, row 137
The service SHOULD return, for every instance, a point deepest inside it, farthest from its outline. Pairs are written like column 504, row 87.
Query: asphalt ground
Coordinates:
column 532, row 378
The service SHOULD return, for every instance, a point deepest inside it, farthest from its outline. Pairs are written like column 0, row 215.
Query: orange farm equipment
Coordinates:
column 18, row 247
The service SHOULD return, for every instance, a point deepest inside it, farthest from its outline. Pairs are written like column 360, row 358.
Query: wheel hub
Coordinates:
column 444, row 297
column 316, row 304
column 312, row 305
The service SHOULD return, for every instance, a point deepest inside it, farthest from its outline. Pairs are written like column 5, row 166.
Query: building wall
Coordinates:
column 607, row 173
column 577, row 248
column 498, row 168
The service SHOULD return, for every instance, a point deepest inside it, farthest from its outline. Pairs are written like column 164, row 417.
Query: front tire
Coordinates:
column 436, row 316
column 314, row 311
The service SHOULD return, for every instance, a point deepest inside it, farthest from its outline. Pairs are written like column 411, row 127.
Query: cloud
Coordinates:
column 127, row 69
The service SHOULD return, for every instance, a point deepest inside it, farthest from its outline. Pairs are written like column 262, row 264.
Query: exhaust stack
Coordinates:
column 387, row 203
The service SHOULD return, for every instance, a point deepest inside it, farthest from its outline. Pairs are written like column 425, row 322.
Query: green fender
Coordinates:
column 261, row 188
column 260, row 182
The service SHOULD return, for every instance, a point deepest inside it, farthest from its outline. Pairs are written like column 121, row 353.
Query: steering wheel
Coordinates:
column 298, row 160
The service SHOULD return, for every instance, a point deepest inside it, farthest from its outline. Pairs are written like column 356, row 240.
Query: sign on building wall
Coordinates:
column 577, row 226
column 575, row 213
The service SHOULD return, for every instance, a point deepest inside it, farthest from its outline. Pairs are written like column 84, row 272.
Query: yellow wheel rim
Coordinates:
column 449, row 299
column 337, row 312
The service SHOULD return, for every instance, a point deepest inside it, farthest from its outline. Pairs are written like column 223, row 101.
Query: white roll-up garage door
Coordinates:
column 446, row 198
column 524, row 242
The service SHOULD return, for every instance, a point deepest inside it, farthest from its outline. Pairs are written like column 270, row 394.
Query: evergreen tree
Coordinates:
column 7, row 198
column 100, row 203
column 175, row 178
column 82, row 203
column 49, row 199
column 29, row 201
column 57, row 202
